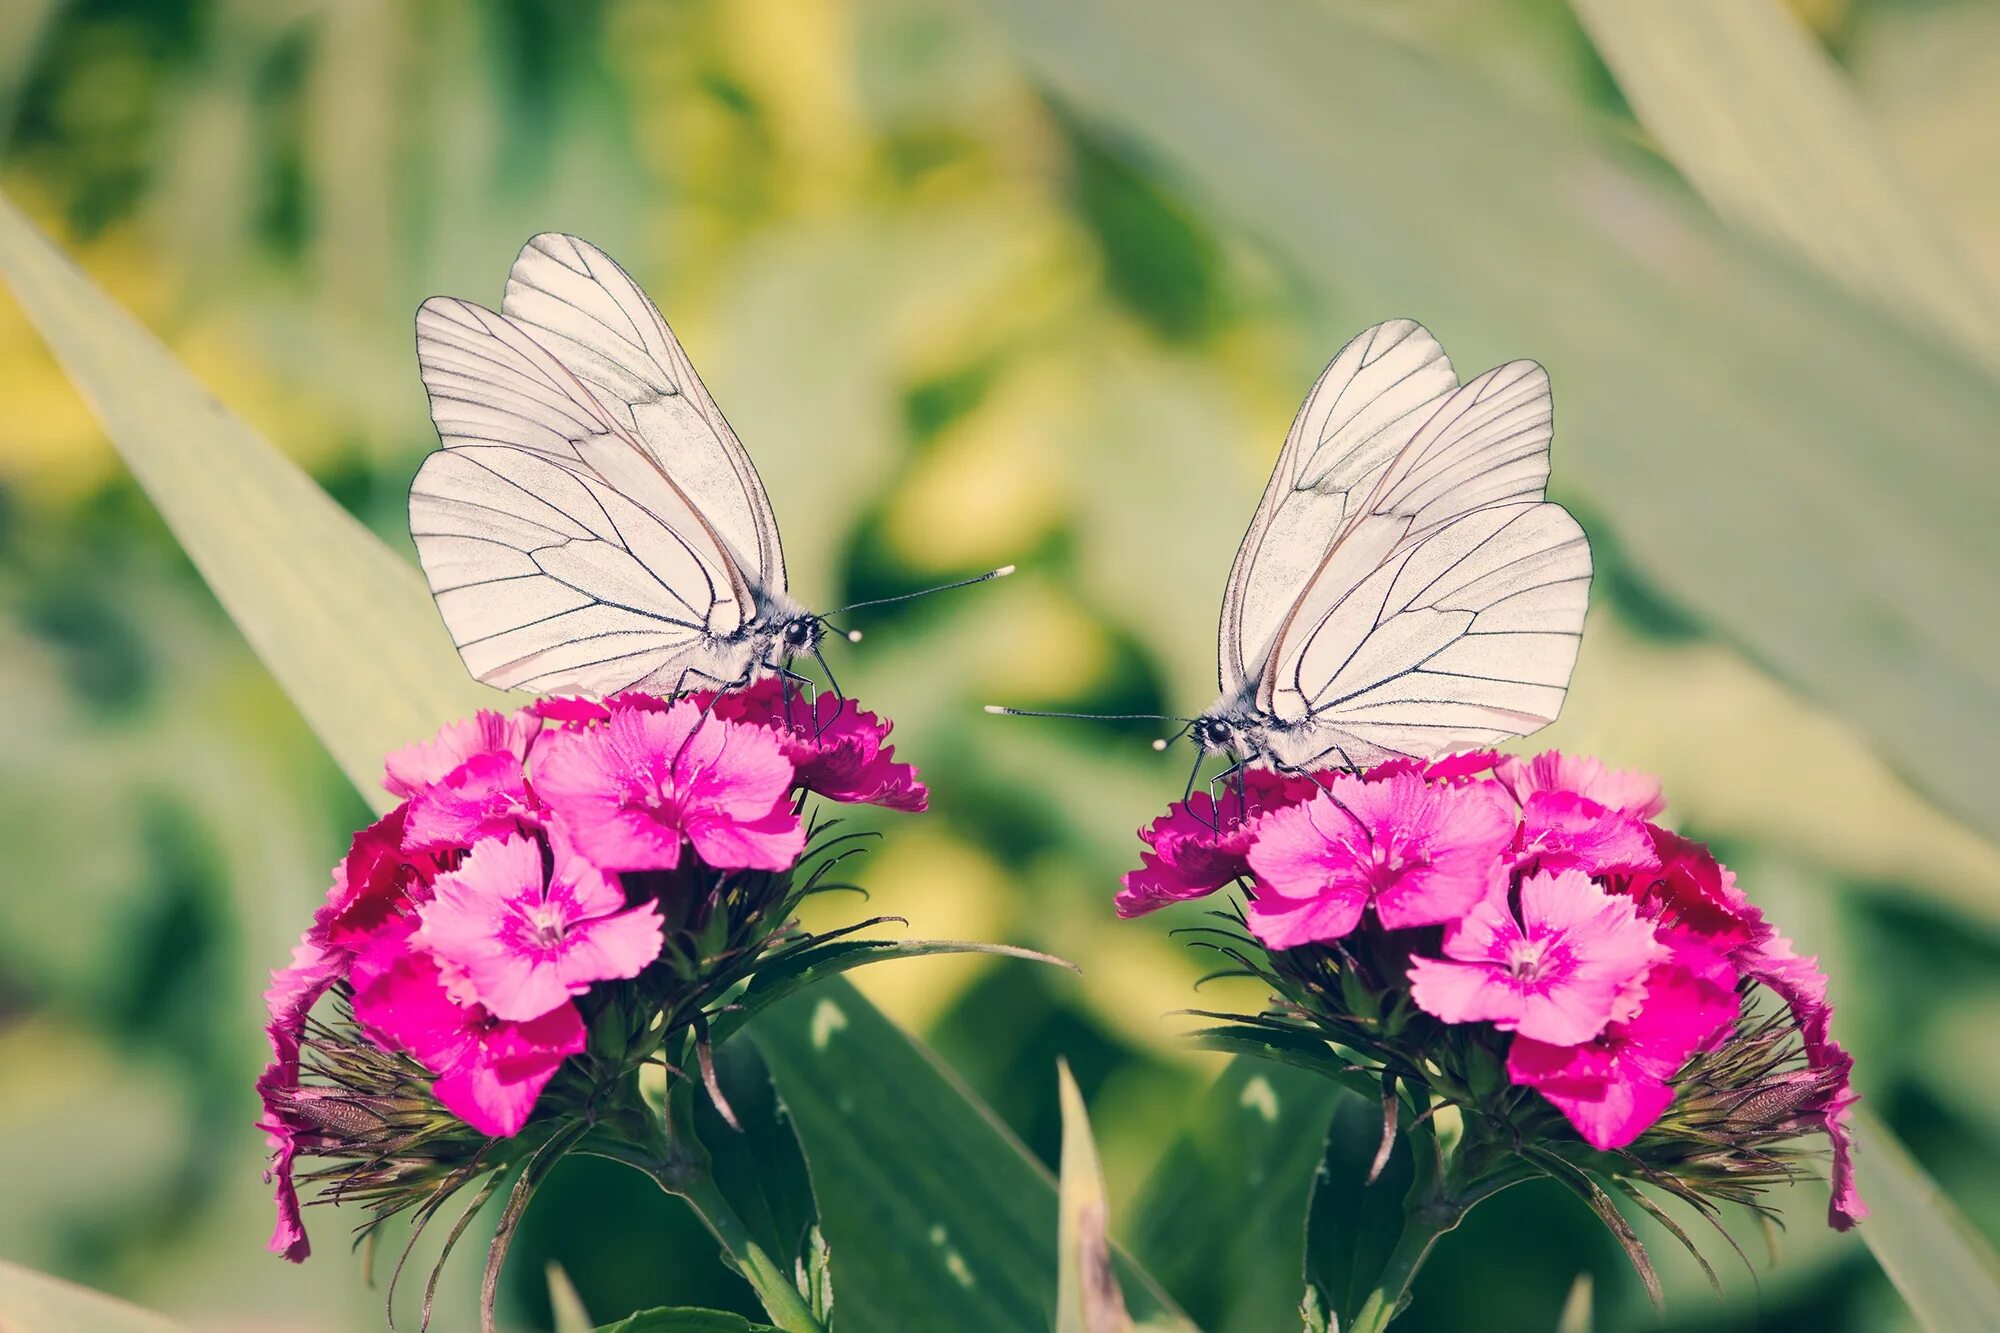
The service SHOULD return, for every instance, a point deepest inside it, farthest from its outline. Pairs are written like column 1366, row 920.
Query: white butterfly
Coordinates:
column 592, row 524
column 1403, row 589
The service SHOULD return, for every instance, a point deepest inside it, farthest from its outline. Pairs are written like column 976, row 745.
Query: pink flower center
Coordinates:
column 1389, row 861
column 1527, row 960
column 547, row 927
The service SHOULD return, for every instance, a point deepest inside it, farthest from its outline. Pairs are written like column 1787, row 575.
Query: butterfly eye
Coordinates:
column 798, row 633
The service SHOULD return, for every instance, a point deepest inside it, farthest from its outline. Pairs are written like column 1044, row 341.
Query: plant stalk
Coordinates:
column 773, row 1285
column 1421, row 1228
column 675, row 1161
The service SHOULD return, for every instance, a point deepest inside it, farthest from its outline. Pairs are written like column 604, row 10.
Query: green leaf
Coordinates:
column 1088, row 1299
column 1576, row 1307
column 1219, row 1218
column 806, row 964
column 936, row 1215
column 1289, row 1046
column 757, row 1163
column 1353, row 1224
column 1681, row 352
column 32, row 1302
column 1761, row 121
column 344, row 624
column 565, row 1305
column 1947, row 1273
column 685, row 1319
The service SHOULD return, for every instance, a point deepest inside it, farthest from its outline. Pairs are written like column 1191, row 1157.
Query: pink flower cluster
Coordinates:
column 466, row 922
column 1610, row 949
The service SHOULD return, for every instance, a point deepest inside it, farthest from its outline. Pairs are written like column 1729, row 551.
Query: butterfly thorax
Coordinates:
column 780, row 631
column 1235, row 726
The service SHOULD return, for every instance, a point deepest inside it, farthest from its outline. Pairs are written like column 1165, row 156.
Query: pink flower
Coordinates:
column 374, row 883
column 526, row 939
column 1632, row 793
column 1559, row 973
column 1615, row 1087
column 294, row 990
column 1693, row 890
column 1419, row 854
column 1200, row 844
column 1451, row 768
column 839, row 749
column 1561, row 830
column 484, row 797
column 632, row 790
column 488, row 1071
column 1774, row 962
column 415, row 767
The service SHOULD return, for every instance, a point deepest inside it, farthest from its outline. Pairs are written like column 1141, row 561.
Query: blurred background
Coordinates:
column 958, row 326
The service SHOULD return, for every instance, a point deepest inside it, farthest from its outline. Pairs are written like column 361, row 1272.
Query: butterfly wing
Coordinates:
column 1462, row 637
column 579, row 304
column 1368, row 403
column 563, row 556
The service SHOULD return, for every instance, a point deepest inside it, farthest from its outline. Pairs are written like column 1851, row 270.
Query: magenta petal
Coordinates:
column 630, row 790
column 495, row 1081
column 1631, row 793
column 294, row 990
column 415, row 767
column 525, row 942
column 771, row 841
column 1563, row 831
column 1461, row 992
column 1287, row 923
column 1628, row 1108
column 486, row 796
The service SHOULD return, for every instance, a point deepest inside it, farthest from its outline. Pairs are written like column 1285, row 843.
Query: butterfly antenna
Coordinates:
column 1164, row 741
column 1002, row 710
column 987, row 577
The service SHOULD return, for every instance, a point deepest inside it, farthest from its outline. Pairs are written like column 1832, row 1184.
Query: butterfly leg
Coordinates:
column 806, row 691
column 722, row 687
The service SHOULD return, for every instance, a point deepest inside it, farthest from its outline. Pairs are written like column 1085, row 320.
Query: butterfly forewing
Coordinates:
column 1368, row 403
column 563, row 553
column 589, row 312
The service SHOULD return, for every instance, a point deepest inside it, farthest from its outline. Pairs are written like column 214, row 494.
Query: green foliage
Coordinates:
column 1248, row 1151
column 685, row 1319
column 929, row 1204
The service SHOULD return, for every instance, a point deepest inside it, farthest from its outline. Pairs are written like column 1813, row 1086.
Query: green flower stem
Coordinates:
column 1421, row 1228
column 1436, row 1204
column 674, row 1159
column 773, row 1285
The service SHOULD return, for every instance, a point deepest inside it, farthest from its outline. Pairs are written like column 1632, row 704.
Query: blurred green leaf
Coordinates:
column 935, row 1214
column 1761, row 121
column 344, row 624
column 565, row 1305
column 1745, row 421
column 685, row 1319
column 1221, row 1217
column 32, row 1302
column 1088, row 1299
column 809, row 963
column 1576, row 1307
column 1945, row 1271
